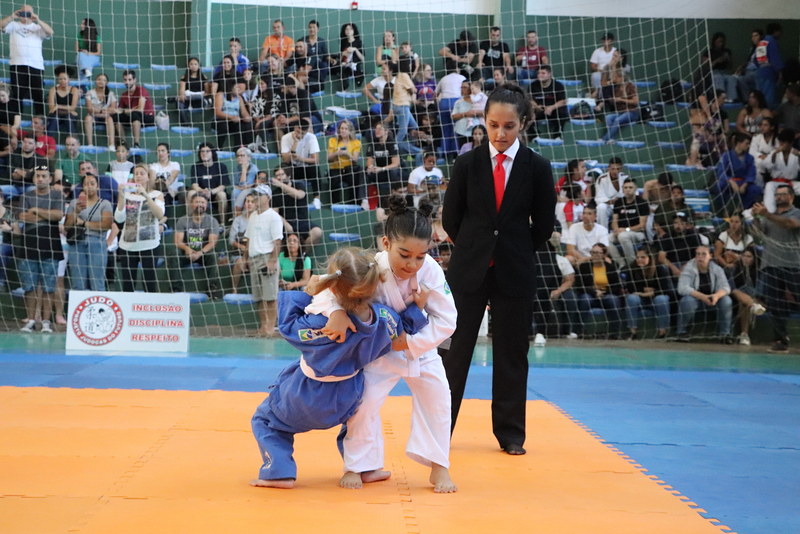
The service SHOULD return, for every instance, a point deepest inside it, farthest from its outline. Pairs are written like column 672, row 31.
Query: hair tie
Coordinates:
column 371, row 265
column 325, row 277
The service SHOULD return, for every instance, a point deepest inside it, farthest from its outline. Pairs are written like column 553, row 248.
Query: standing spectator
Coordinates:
column 40, row 248
column 344, row 152
column 770, row 64
column 245, row 176
column 89, row 255
column 781, row 260
column 135, row 108
column 600, row 58
column 318, row 55
column 762, row 145
column 744, row 282
column 704, row 282
column 383, row 164
column 27, row 33
column 62, row 105
column 608, row 189
column 277, row 44
column 351, row 57
column 649, row 287
column 89, row 47
column 193, row 89
column 68, row 165
column 746, row 73
column 677, row 246
column 628, row 221
column 231, row 117
column 721, row 63
column 448, row 91
column 494, row 54
column 549, row 100
column 459, row 56
column 139, row 209
column 620, row 101
column 580, row 238
column 166, row 175
column 403, row 95
column 530, row 57
column 196, row 236
column 783, row 167
column 599, row 286
column 237, row 242
column 295, row 265
column 209, row 180
column 731, row 243
column 264, row 234
column 735, row 188
column 101, row 107
column 289, row 200
column 300, row 149
column 753, row 113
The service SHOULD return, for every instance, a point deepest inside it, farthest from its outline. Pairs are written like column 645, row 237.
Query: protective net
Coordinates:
column 300, row 92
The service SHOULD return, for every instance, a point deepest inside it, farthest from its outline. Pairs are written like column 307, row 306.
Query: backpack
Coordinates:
column 581, row 110
column 671, row 91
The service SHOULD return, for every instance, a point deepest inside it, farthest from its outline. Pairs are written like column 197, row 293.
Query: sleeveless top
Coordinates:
column 230, row 107
column 63, row 101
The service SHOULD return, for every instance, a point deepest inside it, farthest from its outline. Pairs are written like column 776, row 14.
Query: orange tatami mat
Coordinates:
column 132, row 461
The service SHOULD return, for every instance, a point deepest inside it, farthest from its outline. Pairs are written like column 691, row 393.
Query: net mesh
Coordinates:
column 335, row 197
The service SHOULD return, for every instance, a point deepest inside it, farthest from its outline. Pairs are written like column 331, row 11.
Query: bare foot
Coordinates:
column 281, row 483
column 440, row 478
column 351, row 480
column 375, row 476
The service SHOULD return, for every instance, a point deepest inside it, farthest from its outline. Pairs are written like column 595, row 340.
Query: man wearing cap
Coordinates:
column 264, row 234
column 196, row 236
column 601, row 57
column 27, row 33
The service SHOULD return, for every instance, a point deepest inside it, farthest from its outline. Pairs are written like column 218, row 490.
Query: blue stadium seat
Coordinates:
column 681, row 168
column 163, row 67
column 583, row 122
column 343, row 113
column 262, row 156
column 340, row 237
column 640, row 166
column 348, row 94
column 125, row 66
column 345, row 208
column 590, row 142
column 671, row 144
column 644, row 83
column 116, row 85
column 238, row 299
column 185, row 130
column 91, row 149
column 197, row 298
column 52, row 62
column 225, row 154
column 558, row 164
column 180, row 153
column 158, row 86
column 662, row 124
column 630, row 144
column 549, row 142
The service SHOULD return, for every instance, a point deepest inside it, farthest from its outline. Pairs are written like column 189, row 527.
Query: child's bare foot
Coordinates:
column 375, row 476
column 440, row 478
column 351, row 480
column 281, row 483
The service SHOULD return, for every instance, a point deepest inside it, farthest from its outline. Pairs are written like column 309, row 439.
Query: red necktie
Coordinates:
column 499, row 180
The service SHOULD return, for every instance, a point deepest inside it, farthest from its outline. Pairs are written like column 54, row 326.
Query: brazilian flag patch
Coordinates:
column 309, row 334
column 447, row 288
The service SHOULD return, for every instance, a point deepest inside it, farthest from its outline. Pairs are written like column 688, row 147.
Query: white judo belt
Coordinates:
column 309, row 372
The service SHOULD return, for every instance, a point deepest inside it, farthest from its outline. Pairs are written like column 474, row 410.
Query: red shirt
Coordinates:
column 130, row 100
column 532, row 56
column 44, row 144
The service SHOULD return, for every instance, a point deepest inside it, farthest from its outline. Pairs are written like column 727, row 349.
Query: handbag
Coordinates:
column 76, row 234
column 162, row 120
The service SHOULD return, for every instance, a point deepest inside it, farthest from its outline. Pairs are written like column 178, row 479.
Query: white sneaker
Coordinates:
column 317, row 203
column 29, row 326
column 757, row 309
column 572, row 335
column 539, row 341
column 744, row 339
column 112, row 148
column 365, row 205
column 46, row 329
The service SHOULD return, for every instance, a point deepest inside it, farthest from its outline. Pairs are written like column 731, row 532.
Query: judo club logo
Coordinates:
column 97, row 320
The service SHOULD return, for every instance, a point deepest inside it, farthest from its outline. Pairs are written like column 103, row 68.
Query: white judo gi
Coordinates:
column 421, row 367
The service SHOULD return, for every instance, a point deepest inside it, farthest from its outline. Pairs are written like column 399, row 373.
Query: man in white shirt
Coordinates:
column 448, row 91
column 300, row 149
column 27, row 33
column 264, row 234
column 582, row 237
column 601, row 57
column 608, row 189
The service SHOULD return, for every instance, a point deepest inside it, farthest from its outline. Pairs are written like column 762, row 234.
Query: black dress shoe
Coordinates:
column 514, row 450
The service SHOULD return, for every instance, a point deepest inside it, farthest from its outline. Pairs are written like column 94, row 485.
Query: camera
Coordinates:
column 129, row 187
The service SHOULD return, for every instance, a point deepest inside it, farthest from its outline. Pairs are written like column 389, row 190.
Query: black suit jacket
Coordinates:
column 509, row 237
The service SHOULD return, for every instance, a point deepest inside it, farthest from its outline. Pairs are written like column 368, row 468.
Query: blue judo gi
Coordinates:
column 298, row 402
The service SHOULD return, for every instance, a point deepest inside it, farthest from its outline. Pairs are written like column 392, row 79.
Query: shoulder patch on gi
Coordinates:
column 447, row 288
column 309, row 334
column 390, row 322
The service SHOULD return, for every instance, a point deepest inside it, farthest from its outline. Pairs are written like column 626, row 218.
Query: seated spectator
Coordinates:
column 101, row 108
column 237, row 242
column 628, row 221
column 620, row 102
column 139, row 209
column 193, row 89
column 232, row 118
column 226, row 77
column 295, row 265
column 68, row 164
column 166, row 175
column 704, row 282
column 600, row 58
column 549, row 100
column 318, row 56
column 788, row 113
column 62, row 105
column 89, row 47
column 301, row 62
column 744, row 290
column 569, row 209
column 434, row 196
column 289, row 200
column 344, row 152
column 379, row 92
column 383, row 164
column 107, row 184
column 783, row 167
column 530, row 57
column 721, row 64
column 277, row 44
column 459, row 56
column 244, row 178
column 22, row 163
column 666, row 210
column 417, row 178
column 295, row 106
column 351, row 56
column 425, row 82
column 608, row 189
column 477, row 138
column 709, row 129
column 262, row 178
column 45, row 144
column 731, row 242
column 407, row 54
column 10, row 115
column 300, row 149
column 494, row 54
column 575, row 175
column 387, row 52
column 209, row 180
column 677, row 247
column 735, row 187
column 580, row 238
column 261, row 105
column 599, row 286
column 121, row 168
column 428, row 133
column 658, row 190
column 649, row 287
column 89, row 255
column 754, row 111
column 135, row 108
column 555, row 298
column 464, row 115
column 762, row 145
column 240, row 61
column 196, row 235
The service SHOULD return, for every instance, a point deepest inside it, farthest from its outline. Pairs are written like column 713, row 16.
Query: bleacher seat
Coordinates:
column 185, row 130
column 238, row 299
column 225, row 154
column 345, row 208
column 344, row 237
column 644, row 83
column 197, row 298
column 681, row 168
column 125, row 66
column 631, row 144
column 52, row 62
column 157, row 86
column 590, row 142
column 640, row 166
column 670, row 144
column 116, row 85
column 343, row 113
column 662, row 124
column 91, row 149
column 180, row 153
column 163, row 67
column 571, row 83
column 348, row 94
column 583, row 122
column 549, row 142
column 558, row 164
column 318, row 94
column 263, row 156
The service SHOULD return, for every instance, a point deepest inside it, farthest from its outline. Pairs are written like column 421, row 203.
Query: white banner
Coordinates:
column 128, row 322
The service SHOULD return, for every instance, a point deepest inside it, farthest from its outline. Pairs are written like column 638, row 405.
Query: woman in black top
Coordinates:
column 352, row 56
column 650, row 287
column 192, row 89
column 209, row 179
